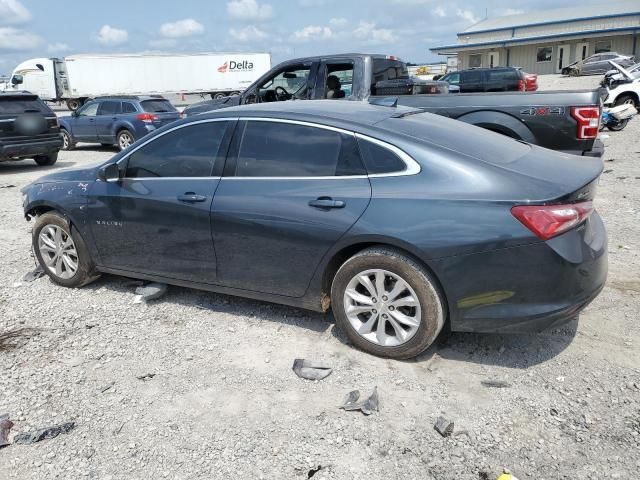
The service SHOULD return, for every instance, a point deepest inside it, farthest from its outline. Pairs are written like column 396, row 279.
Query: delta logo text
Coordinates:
column 233, row 66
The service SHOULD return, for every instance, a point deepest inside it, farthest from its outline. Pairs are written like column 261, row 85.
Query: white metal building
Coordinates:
column 545, row 41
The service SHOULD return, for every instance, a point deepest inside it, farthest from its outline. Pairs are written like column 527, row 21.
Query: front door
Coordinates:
column 83, row 123
column 291, row 192
column 494, row 59
column 563, row 57
column 156, row 219
column 582, row 51
column 108, row 113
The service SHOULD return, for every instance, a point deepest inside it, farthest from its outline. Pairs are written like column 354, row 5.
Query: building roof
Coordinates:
column 556, row 15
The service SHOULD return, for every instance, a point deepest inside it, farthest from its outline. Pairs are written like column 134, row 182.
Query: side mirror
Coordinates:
column 17, row 80
column 75, row 113
column 109, row 173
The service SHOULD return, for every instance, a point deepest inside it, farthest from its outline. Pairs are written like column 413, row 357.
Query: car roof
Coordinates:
column 323, row 111
column 131, row 97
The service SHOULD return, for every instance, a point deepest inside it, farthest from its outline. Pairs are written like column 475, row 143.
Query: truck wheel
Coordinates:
column 67, row 142
column 234, row 94
column 73, row 104
column 387, row 303
column 217, row 96
column 46, row 160
column 626, row 100
column 124, row 139
column 61, row 251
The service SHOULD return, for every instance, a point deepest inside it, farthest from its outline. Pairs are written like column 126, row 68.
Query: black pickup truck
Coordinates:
column 561, row 120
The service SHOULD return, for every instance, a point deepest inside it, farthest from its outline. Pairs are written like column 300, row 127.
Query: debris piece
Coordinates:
column 443, row 426
column 482, row 475
column 146, row 376
column 313, row 471
column 553, row 412
column 609, row 170
column 107, row 387
column 43, row 434
column 7, row 185
column 33, row 275
column 151, row 291
column 5, row 426
column 368, row 406
column 507, row 475
column 495, row 384
column 311, row 370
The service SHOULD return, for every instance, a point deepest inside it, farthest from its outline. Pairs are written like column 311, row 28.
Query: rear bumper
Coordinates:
column 528, row 288
column 597, row 150
column 29, row 148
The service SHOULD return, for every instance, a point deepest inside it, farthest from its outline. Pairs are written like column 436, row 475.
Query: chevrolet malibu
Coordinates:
column 399, row 221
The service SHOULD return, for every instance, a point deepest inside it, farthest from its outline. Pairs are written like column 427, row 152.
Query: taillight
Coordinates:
column 548, row 221
column 146, row 117
column 588, row 119
column 521, row 85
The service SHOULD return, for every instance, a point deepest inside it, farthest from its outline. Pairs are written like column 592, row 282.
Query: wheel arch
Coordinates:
column 627, row 93
column 499, row 122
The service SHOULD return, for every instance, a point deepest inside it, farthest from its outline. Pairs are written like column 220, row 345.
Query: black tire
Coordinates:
column 85, row 272
column 618, row 126
column 121, row 141
column 630, row 99
column 67, row 141
column 46, row 160
column 432, row 305
column 218, row 95
column 74, row 104
column 234, row 94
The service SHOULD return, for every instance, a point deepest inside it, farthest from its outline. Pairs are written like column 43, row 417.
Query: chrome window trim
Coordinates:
column 412, row 167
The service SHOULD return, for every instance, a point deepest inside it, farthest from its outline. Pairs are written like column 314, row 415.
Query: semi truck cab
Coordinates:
column 36, row 75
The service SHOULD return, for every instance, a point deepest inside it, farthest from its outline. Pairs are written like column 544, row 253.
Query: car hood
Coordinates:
column 71, row 175
column 211, row 105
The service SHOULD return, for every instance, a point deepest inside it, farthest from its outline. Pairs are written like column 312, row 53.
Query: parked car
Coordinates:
column 597, row 64
column 399, row 220
column 530, row 82
column 116, row 121
column 566, row 121
column 498, row 79
column 28, row 129
column 625, row 91
column 614, row 77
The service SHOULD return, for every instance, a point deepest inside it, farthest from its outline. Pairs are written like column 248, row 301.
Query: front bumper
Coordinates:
column 528, row 288
column 29, row 148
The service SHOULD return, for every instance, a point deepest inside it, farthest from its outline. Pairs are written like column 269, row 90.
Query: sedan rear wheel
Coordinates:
column 387, row 303
column 61, row 252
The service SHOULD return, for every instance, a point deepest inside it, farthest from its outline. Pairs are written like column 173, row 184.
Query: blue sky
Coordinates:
column 286, row 28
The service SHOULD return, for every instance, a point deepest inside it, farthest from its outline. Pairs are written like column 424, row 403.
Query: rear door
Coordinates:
column 290, row 191
column 109, row 112
column 155, row 220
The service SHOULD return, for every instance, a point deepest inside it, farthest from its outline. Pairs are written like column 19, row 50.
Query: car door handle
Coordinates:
column 326, row 203
column 191, row 197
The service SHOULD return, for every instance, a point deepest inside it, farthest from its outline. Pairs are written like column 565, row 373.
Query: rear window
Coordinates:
column 14, row 105
column 493, row 148
column 384, row 69
column 157, row 106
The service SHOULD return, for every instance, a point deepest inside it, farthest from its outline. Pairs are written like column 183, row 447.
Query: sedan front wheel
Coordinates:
column 387, row 303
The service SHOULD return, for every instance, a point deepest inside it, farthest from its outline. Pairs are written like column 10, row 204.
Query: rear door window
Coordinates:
column 110, row 107
column 189, row 151
column 275, row 149
column 157, row 106
column 387, row 69
column 15, row 105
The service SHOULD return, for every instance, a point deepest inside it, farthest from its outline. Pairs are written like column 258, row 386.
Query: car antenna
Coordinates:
column 384, row 102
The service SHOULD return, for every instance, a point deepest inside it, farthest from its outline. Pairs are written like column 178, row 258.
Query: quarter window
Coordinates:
column 186, row 152
column 378, row 159
column 128, row 107
column 275, row 149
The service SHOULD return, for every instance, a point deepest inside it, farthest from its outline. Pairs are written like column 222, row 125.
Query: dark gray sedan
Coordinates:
column 398, row 220
column 597, row 64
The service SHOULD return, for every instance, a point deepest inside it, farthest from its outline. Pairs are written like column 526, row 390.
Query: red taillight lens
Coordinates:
column 146, row 117
column 521, row 85
column 548, row 221
column 588, row 119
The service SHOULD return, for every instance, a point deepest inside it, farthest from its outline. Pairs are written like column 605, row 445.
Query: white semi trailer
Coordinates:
column 77, row 78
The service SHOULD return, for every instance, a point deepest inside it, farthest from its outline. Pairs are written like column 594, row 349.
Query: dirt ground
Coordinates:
column 197, row 385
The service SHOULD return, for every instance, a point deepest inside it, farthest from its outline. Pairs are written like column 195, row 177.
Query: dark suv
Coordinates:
column 116, row 121
column 28, row 129
column 500, row 79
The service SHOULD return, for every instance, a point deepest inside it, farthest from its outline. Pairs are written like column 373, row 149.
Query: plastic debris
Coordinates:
column 43, row 434
column 151, row 291
column 444, row 427
column 5, row 427
column 368, row 406
column 495, row 384
column 507, row 475
column 146, row 376
column 311, row 370
column 33, row 275
column 7, row 185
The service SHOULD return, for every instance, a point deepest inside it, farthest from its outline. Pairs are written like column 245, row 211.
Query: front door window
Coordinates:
column 291, row 83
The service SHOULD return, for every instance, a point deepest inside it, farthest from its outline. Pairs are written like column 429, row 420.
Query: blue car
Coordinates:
column 116, row 121
column 400, row 221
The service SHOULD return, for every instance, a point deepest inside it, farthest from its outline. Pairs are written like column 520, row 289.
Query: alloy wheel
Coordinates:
column 58, row 251
column 65, row 141
column 124, row 140
column 382, row 307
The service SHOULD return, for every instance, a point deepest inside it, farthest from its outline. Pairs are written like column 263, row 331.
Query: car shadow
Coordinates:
column 28, row 165
column 516, row 351
column 92, row 147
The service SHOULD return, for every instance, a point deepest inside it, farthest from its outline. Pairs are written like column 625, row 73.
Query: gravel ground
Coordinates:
column 219, row 399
